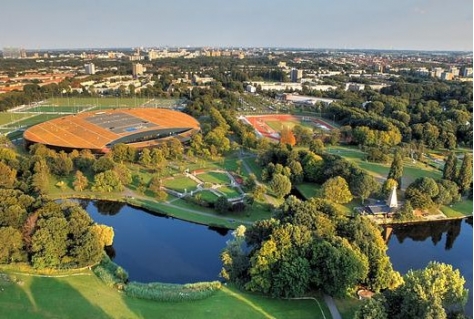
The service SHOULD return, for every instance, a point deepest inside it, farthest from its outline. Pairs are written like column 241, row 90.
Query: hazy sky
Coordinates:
column 378, row 24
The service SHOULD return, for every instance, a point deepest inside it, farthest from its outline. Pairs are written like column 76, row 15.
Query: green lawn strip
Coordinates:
column 459, row 209
column 308, row 190
column 347, row 307
column 214, row 177
column 180, row 184
column 229, row 192
column 87, row 297
column 255, row 167
column 208, row 196
column 40, row 118
column 7, row 117
column 59, row 109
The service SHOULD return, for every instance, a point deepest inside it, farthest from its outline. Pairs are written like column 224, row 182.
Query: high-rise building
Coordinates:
column 137, row 69
column 13, row 53
column 296, row 75
column 89, row 68
column 466, row 72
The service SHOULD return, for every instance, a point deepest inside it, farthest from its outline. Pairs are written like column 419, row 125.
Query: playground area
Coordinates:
column 271, row 125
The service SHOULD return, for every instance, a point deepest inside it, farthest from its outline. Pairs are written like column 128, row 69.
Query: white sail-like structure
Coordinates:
column 392, row 201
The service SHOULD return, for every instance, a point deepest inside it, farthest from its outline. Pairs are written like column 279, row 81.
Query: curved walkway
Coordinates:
column 332, row 307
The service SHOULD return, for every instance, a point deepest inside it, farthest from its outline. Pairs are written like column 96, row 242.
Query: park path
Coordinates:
column 268, row 198
column 332, row 307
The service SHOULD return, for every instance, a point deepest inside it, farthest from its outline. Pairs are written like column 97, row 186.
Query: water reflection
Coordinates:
column 414, row 246
column 433, row 231
column 221, row 231
column 108, row 207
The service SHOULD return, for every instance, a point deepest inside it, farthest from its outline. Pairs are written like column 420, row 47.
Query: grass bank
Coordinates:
column 85, row 296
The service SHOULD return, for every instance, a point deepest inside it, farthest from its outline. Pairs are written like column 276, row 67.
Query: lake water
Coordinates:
column 451, row 242
column 156, row 248
column 152, row 247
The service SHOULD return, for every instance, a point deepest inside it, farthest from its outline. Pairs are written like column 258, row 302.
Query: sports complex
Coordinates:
column 100, row 130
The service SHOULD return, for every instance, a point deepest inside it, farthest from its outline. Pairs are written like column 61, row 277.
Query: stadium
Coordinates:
column 99, row 131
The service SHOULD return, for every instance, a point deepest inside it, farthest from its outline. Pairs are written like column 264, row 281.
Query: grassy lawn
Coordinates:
column 459, row 209
column 308, row 190
column 59, row 109
column 208, row 196
column 256, row 168
column 7, row 117
column 229, row 192
column 347, row 307
column 85, row 296
column 40, row 118
column 214, row 177
column 411, row 171
column 180, row 184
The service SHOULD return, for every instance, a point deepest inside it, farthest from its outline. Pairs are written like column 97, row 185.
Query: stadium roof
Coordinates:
column 100, row 130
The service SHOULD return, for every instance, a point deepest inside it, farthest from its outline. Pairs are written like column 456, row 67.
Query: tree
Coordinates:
column 287, row 136
column 105, row 234
column 80, row 181
column 406, row 213
column 336, row 266
column 8, row 176
column 222, row 204
column 107, row 181
column 337, row 190
column 450, row 167
column 316, row 146
column 428, row 293
column 145, row 157
column 103, row 164
column 396, row 169
column 280, row 185
column 373, row 308
column 363, row 185
column 464, row 179
column 11, row 249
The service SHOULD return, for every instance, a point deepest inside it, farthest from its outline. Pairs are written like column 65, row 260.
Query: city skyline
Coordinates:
column 433, row 25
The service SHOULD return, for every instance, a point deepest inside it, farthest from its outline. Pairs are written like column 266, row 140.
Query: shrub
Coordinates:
column 172, row 292
column 110, row 273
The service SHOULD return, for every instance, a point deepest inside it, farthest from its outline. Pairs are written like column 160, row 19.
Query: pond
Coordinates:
column 153, row 247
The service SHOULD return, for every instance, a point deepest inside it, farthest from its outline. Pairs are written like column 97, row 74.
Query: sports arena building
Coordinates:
column 99, row 131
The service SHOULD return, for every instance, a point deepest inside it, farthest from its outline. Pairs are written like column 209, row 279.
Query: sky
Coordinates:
column 338, row 24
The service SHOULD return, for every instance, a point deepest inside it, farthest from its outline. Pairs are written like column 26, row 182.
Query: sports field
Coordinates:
column 271, row 125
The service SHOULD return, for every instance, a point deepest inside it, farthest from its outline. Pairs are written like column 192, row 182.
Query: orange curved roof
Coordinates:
column 95, row 130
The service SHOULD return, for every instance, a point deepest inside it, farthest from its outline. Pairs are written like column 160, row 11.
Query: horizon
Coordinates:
column 407, row 25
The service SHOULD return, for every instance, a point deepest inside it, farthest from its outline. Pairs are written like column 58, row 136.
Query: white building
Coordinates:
column 89, row 68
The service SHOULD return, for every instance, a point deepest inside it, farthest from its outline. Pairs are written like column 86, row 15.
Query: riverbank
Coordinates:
column 75, row 297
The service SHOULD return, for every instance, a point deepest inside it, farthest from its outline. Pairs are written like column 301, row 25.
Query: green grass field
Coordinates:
column 229, row 192
column 7, row 117
column 308, row 190
column 180, row 184
column 58, row 108
column 30, row 121
column 110, row 102
column 85, row 296
column 208, row 196
column 214, row 177
column 459, row 209
column 278, row 125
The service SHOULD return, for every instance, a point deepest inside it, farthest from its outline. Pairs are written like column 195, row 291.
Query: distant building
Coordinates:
column 13, row 53
column 137, row 69
column 89, row 68
column 251, row 88
column 466, row 72
column 296, row 75
column 355, row 87
column 447, row 76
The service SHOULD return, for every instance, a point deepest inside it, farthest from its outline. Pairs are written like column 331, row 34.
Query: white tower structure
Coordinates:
column 392, row 201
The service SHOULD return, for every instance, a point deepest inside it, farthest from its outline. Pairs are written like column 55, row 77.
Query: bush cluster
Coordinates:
column 172, row 292
column 110, row 273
